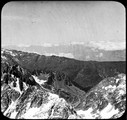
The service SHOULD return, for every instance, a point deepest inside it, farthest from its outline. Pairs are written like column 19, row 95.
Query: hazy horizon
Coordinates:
column 37, row 23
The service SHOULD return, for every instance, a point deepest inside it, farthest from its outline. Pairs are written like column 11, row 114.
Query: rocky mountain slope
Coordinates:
column 83, row 74
column 35, row 86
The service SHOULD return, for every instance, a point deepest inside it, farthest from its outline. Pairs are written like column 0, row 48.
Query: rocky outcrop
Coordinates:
column 105, row 100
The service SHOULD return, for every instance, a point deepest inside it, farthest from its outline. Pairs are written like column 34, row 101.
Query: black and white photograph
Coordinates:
column 63, row 60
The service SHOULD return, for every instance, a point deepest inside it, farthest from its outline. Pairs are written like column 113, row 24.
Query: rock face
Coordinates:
column 46, row 94
column 35, row 102
column 106, row 100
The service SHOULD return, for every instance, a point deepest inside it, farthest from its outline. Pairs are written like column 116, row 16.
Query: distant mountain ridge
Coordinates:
column 84, row 74
column 82, row 52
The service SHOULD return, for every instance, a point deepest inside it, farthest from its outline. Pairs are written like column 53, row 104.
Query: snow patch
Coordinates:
column 11, row 109
column 38, row 80
column 86, row 114
column 43, row 111
column 110, row 87
column 30, row 114
column 3, row 57
column 9, row 51
column 122, row 92
column 117, row 80
column 108, row 111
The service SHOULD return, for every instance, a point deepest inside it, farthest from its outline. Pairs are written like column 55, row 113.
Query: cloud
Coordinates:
column 77, row 43
column 46, row 45
column 68, row 55
column 107, row 45
column 23, row 45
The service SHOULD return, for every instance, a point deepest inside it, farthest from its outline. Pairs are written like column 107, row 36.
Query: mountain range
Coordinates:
column 77, row 71
column 58, row 87
column 79, row 51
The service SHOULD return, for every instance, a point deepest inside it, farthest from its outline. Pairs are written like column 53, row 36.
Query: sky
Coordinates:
column 37, row 23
